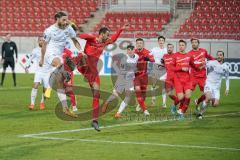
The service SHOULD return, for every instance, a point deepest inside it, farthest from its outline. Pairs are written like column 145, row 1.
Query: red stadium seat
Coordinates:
column 140, row 21
column 35, row 15
column 213, row 19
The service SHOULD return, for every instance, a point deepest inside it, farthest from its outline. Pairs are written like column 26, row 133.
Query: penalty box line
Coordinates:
column 42, row 135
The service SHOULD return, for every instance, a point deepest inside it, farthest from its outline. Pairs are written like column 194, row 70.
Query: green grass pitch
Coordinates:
column 215, row 137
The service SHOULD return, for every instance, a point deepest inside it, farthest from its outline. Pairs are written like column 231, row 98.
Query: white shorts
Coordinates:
column 122, row 84
column 213, row 89
column 51, row 53
column 41, row 77
column 48, row 59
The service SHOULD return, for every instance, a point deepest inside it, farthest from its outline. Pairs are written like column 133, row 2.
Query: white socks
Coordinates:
column 164, row 96
column 122, row 107
column 62, row 97
column 42, row 100
column 33, row 96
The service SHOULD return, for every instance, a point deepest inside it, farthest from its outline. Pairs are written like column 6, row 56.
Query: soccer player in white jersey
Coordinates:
column 158, row 70
column 41, row 74
column 216, row 71
column 55, row 39
column 125, row 68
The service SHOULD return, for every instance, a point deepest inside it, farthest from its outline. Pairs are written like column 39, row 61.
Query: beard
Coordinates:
column 62, row 26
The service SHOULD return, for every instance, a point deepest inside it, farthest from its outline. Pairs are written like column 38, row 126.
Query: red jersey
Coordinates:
column 67, row 53
column 182, row 61
column 169, row 64
column 199, row 58
column 142, row 63
column 93, row 48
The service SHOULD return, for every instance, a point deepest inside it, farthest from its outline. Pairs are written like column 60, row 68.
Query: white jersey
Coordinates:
column 127, row 66
column 36, row 56
column 57, row 38
column 215, row 72
column 158, row 53
column 125, row 72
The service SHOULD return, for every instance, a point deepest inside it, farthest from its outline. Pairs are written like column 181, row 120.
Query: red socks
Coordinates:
column 201, row 99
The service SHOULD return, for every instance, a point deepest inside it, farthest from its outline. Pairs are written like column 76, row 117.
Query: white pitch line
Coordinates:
column 137, row 143
column 41, row 136
column 118, row 125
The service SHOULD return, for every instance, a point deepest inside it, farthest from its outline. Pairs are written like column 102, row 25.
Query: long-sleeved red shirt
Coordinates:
column 199, row 60
column 169, row 64
column 142, row 63
column 93, row 48
column 182, row 61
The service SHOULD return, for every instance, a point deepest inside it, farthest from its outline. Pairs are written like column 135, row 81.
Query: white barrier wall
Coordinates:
column 231, row 49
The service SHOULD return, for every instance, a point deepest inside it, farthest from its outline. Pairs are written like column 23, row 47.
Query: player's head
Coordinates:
column 161, row 41
column 40, row 41
column 182, row 45
column 130, row 49
column 61, row 18
column 220, row 56
column 170, row 48
column 104, row 33
column 139, row 43
column 195, row 43
column 8, row 37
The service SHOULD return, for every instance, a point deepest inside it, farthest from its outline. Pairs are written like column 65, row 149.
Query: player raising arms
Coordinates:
column 216, row 70
column 198, row 72
column 168, row 60
column 125, row 68
column 55, row 38
column 141, row 76
column 182, row 78
column 41, row 74
column 158, row 70
column 94, row 48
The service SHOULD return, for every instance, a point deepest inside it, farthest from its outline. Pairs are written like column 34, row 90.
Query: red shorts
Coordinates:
column 91, row 76
column 141, row 81
column 169, row 84
column 181, row 84
column 200, row 81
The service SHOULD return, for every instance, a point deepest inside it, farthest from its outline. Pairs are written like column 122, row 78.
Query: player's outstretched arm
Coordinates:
column 78, row 45
column 43, row 51
column 87, row 36
column 115, row 36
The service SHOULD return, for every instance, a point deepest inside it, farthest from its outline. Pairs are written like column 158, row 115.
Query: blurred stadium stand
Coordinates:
column 212, row 19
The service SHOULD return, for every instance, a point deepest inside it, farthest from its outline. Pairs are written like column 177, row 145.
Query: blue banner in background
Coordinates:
column 234, row 66
column 107, row 63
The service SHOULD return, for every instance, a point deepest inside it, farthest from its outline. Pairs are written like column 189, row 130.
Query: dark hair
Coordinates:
column 221, row 52
column 103, row 30
column 60, row 14
column 192, row 39
column 139, row 39
column 130, row 47
column 182, row 41
column 159, row 37
column 169, row 44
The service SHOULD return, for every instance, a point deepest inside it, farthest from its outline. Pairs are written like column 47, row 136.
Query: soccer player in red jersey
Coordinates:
column 67, row 54
column 182, row 79
column 93, row 49
column 141, row 76
column 169, row 82
column 198, row 72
